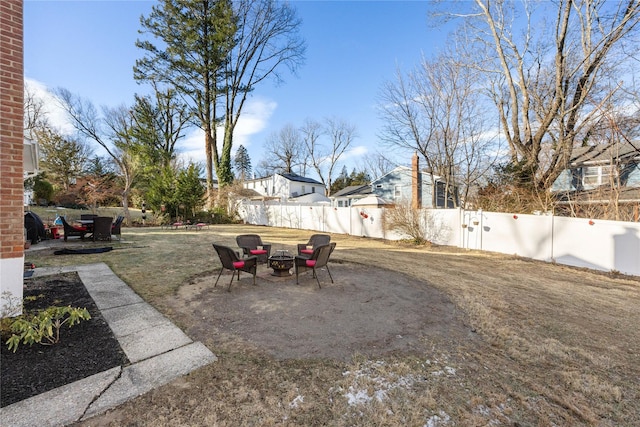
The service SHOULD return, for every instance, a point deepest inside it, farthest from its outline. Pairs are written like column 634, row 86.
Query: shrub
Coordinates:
column 44, row 326
column 407, row 221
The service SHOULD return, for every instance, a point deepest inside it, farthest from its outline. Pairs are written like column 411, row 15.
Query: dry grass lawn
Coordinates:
column 556, row 346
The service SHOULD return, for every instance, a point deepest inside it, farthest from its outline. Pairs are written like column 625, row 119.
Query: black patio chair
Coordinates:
column 319, row 258
column 102, row 228
column 231, row 261
column 306, row 249
column 117, row 226
column 250, row 243
column 71, row 230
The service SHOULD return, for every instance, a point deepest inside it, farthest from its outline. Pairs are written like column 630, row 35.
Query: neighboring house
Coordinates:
column 348, row 195
column 398, row 186
column 600, row 174
column 284, row 186
column 601, row 165
column 30, row 166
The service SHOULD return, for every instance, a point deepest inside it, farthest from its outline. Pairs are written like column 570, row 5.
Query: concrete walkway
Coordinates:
column 158, row 352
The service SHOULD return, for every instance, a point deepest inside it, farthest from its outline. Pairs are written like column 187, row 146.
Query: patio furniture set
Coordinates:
column 186, row 225
column 311, row 256
column 96, row 227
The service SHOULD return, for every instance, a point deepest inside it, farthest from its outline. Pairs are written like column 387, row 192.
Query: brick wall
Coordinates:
column 11, row 144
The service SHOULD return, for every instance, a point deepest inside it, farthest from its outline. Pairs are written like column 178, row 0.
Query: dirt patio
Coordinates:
column 369, row 311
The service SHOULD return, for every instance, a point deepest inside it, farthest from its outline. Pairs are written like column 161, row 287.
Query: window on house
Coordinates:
column 303, row 190
column 340, row 204
column 596, row 175
column 313, row 189
column 397, row 192
column 440, row 197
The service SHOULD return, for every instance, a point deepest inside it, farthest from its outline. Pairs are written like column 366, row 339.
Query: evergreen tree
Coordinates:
column 195, row 41
column 64, row 158
column 242, row 163
column 214, row 53
column 189, row 189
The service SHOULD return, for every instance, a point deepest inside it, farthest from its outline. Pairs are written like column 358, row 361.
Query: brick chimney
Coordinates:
column 416, row 183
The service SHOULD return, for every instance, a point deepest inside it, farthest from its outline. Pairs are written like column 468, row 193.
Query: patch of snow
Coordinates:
column 295, row 402
column 442, row 419
column 357, row 397
column 447, row 370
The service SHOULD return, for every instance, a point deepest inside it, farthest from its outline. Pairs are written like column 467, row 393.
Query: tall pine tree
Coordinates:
column 242, row 163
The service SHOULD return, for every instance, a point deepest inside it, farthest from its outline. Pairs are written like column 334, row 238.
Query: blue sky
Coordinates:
column 353, row 47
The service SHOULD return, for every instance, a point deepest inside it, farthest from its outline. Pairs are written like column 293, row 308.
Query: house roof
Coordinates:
column 299, row 178
column 310, row 198
column 603, row 153
column 406, row 171
column 248, row 193
column 371, row 200
column 394, row 171
column 353, row 191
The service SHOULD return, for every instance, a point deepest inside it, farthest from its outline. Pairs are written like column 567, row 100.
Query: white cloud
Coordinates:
column 354, row 152
column 56, row 115
column 254, row 118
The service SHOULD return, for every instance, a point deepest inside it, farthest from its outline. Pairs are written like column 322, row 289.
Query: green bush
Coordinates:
column 44, row 326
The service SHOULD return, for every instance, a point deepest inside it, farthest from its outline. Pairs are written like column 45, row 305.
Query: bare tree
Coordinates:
column 111, row 131
column 548, row 64
column 341, row 135
column 377, row 165
column 284, row 151
column 267, row 40
column 324, row 158
column 436, row 110
column 34, row 113
column 314, row 152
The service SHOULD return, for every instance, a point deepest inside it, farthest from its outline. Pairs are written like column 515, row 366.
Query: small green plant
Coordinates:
column 44, row 326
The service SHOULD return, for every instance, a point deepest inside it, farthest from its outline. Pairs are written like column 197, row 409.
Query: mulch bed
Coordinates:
column 85, row 349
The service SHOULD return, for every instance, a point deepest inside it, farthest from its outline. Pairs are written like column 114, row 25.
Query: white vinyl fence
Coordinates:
column 597, row 244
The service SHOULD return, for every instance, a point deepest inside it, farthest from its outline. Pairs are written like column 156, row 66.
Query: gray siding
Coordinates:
column 396, row 187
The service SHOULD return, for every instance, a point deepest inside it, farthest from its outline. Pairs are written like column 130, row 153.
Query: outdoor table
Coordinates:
column 88, row 223
column 281, row 263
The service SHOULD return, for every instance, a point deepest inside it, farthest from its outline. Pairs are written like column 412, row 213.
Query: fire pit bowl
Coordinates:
column 281, row 263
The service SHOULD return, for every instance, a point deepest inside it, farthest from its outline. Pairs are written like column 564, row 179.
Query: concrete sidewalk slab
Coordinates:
column 158, row 352
column 142, row 377
column 61, row 406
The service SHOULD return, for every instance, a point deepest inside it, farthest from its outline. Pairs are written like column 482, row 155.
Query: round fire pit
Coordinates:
column 281, row 263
